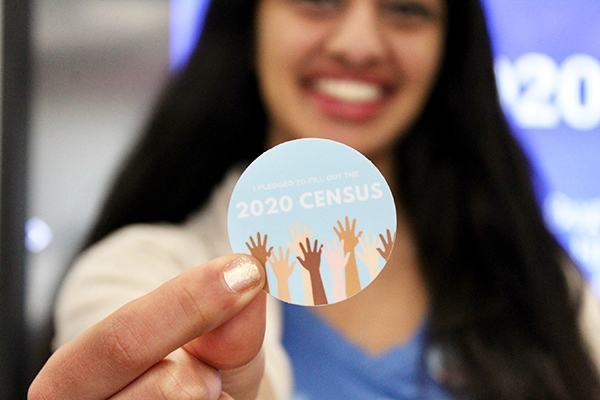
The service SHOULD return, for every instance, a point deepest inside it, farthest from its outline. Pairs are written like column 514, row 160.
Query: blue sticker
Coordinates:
column 319, row 215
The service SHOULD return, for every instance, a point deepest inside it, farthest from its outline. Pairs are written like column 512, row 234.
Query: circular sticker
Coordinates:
column 320, row 217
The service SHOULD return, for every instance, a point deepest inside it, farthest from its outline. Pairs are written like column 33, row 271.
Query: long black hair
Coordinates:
column 501, row 305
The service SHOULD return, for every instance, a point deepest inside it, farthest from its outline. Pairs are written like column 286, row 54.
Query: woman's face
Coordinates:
column 355, row 71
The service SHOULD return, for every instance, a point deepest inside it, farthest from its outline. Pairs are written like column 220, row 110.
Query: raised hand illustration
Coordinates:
column 297, row 238
column 337, row 259
column 311, row 261
column 370, row 254
column 260, row 252
column 388, row 245
column 350, row 241
column 283, row 270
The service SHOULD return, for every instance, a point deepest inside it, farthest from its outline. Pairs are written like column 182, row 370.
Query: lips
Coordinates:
column 347, row 98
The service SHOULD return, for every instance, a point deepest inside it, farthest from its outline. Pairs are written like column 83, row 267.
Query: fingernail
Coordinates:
column 241, row 274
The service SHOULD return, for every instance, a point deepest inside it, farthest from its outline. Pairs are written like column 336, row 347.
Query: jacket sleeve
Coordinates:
column 124, row 266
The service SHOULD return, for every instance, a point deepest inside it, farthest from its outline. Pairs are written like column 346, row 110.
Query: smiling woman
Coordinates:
column 478, row 301
column 358, row 72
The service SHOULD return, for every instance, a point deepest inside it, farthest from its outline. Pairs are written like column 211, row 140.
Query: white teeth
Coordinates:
column 349, row 91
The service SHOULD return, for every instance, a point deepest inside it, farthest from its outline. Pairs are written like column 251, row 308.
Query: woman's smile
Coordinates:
column 345, row 98
column 348, row 91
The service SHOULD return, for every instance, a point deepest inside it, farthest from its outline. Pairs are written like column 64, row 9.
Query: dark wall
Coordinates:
column 14, row 377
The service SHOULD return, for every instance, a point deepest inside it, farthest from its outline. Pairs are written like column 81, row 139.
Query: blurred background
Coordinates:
column 95, row 67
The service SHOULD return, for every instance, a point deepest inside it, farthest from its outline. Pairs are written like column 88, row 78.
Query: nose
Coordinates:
column 357, row 38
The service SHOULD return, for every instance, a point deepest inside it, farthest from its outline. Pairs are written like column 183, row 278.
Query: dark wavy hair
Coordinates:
column 501, row 305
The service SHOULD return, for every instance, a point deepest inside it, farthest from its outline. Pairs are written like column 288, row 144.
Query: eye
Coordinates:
column 318, row 6
column 326, row 3
column 409, row 10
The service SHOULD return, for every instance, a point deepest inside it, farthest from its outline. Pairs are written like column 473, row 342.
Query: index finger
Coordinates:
column 114, row 352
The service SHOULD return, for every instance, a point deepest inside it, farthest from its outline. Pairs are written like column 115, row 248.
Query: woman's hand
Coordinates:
column 197, row 336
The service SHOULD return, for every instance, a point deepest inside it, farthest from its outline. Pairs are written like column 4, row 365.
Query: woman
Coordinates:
column 476, row 283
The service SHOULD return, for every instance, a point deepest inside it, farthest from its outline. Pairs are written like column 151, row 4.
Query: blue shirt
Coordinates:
column 327, row 366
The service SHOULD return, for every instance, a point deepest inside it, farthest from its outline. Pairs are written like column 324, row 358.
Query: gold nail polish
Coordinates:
column 241, row 274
